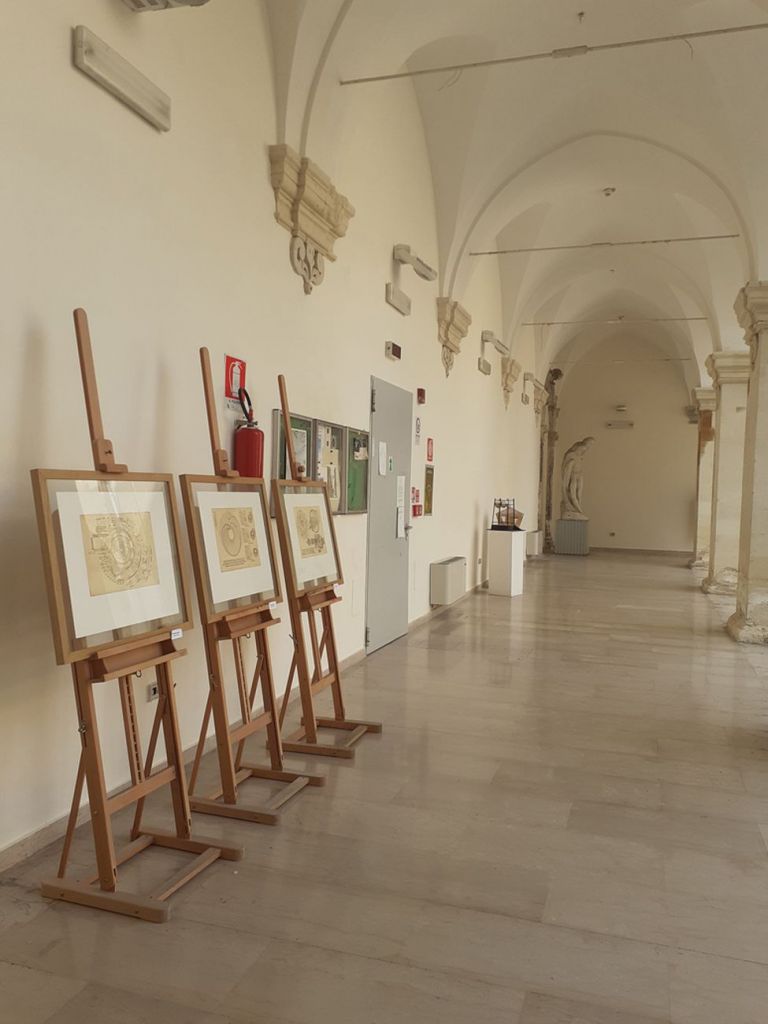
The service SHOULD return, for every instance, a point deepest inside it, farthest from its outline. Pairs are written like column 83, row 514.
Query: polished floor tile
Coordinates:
column 565, row 821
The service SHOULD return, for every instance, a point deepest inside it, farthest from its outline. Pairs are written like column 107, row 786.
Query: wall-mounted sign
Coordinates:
column 234, row 376
column 430, row 450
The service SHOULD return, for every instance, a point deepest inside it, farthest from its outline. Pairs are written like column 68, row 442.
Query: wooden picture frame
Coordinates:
column 200, row 535
column 120, row 555
column 357, row 470
column 299, row 583
column 331, row 437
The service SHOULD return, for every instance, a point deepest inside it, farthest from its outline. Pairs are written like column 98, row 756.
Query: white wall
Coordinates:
column 169, row 242
column 639, row 484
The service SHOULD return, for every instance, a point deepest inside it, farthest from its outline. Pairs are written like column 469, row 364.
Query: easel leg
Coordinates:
column 73, row 812
column 136, row 830
column 97, row 789
column 181, row 811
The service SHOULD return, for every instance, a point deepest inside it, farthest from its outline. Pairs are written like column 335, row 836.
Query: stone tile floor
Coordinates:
column 564, row 822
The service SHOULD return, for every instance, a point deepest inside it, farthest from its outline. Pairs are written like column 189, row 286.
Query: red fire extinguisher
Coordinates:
column 249, row 441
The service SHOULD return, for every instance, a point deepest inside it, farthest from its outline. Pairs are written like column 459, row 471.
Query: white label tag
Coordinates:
column 272, row 605
column 336, row 589
column 177, row 634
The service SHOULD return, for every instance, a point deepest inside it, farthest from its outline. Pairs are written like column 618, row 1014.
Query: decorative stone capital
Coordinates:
column 453, row 323
column 751, row 308
column 729, row 367
column 704, row 399
column 510, row 371
column 540, row 396
column 311, row 209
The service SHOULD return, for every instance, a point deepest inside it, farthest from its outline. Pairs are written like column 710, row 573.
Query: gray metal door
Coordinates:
column 387, row 587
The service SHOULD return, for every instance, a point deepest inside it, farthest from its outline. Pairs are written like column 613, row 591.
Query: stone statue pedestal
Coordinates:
column 571, row 537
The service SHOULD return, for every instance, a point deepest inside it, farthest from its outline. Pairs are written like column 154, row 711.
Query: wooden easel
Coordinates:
column 235, row 626
column 303, row 606
column 121, row 661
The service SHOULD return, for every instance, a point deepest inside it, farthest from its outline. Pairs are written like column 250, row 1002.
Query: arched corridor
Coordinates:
column 463, row 644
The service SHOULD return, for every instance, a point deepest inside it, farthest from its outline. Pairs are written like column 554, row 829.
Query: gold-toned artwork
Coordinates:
column 236, row 539
column 309, row 528
column 119, row 552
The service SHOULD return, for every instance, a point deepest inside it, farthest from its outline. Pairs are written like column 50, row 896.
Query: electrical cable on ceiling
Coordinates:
column 617, row 320
column 602, row 245
column 563, row 52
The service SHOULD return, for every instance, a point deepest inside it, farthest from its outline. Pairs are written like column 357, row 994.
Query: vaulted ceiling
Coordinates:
column 522, row 154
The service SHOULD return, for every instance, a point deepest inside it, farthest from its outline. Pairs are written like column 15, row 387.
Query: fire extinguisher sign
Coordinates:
column 234, row 378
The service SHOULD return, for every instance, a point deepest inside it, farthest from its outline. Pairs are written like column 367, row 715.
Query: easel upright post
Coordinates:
column 233, row 621
column 306, row 600
column 117, row 661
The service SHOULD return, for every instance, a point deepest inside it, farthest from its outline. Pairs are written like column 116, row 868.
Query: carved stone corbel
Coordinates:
column 453, row 323
column 311, row 209
column 510, row 371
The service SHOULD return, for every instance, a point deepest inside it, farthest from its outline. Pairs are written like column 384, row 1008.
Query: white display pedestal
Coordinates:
column 506, row 557
column 533, row 544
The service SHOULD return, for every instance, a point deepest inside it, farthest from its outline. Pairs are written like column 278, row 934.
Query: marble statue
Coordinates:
column 573, row 479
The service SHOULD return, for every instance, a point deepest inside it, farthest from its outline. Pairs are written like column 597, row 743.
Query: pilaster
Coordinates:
column 749, row 623
column 729, row 371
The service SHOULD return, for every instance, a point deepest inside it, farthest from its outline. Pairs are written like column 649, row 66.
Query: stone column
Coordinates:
column 550, row 441
column 730, row 375
column 750, row 621
column 705, row 400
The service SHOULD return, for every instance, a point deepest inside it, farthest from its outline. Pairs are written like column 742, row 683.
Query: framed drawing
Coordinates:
column 111, row 553
column 329, row 463
column 357, row 463
column 307, row 535
column 234, row 555
column 303, row 442
column 429, row 488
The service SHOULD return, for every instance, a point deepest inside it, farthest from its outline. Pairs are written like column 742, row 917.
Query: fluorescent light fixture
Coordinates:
column 105, row 66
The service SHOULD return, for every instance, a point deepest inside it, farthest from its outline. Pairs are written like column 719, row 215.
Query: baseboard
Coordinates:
column 36, row 841
column 437, row 610
column 642, row 551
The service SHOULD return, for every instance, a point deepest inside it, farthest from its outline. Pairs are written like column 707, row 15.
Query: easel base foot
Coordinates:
column 297, row 743
column 266, row 814
column 152, row 908
column 126, row 903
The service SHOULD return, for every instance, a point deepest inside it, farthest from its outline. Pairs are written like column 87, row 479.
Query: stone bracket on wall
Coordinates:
column 453, row 322
column 309, row 207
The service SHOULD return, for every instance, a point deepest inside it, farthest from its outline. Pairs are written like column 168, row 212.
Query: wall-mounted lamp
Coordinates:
column 162, row 5
column 105, row 66
column 489, row 338
column 402, row 254
column 395, row 296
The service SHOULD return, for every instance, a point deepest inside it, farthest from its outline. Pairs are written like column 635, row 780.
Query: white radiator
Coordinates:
column 447, row 580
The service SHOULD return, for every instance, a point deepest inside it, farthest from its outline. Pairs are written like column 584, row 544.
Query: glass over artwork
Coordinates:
column 302, row 429
column 110, row 547
column 357, row 470
column 306, row 527
column 329, row 464
column 230, row 533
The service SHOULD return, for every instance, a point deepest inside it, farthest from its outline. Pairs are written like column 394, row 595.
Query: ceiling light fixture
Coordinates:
column 567, row 51
column 603, row 245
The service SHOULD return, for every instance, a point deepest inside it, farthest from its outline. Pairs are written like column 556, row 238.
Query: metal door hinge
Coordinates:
column 373, row 400
column 367, row 636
